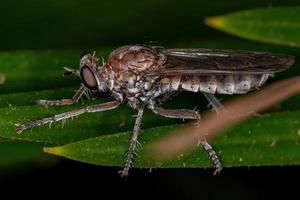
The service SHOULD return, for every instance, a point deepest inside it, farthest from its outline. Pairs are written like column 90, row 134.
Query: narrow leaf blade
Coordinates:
column 273, row 25
column 271, row 139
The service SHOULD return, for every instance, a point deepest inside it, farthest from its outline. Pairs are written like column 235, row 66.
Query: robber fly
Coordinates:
column 145, row 77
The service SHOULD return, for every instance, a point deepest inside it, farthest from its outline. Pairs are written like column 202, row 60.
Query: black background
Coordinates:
column 72, row 179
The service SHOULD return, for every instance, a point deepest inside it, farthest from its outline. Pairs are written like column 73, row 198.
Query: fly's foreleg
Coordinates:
column 63, row 116
column 69, row 71
column 82, row 90
column 74, row 99
column 191, row 114
column 133, row 143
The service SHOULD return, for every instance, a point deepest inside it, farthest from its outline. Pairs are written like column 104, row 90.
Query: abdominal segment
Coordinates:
column 220, row 83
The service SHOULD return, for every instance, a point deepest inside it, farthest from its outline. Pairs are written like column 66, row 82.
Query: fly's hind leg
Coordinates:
column 214, row 102
column 191, row 114
column 82, row 90
column 212, row 155
column 63, row 116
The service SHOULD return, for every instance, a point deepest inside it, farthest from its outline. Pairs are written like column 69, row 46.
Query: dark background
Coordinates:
column 48, row 24
column 85, row 25
column 71, row 179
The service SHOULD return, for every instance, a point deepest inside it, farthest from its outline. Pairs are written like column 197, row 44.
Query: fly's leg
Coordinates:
column 89, row 109
column 75, row 98
column 61, row 102
column 177, row 113
column 132, row 146
column 191, row 114
column 212, row 155
column 69, row 71
column 216, row 104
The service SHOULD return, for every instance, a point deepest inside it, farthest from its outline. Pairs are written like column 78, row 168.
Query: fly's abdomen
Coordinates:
column 222, row 84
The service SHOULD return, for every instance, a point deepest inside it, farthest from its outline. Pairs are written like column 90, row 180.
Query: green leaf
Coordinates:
column 271, row 139
column 279, row 25
column 31, row 71
column 23, row 71
column 32, row 75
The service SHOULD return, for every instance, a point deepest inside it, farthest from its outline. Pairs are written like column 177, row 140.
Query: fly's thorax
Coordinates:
column 136, row 57
column 134, row 83
column 126, row 72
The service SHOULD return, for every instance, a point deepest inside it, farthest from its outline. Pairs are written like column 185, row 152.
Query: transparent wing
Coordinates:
column 216, row 61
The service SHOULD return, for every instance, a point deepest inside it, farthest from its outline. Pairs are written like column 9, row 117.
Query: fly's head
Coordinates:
column 90, row 72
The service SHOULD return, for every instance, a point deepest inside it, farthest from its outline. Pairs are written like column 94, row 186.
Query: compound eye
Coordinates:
column 89, row 77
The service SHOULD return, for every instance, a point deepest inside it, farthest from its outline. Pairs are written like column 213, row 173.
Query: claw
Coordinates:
column 19, row 128
column 218, row 171
column 198, row 114
column 123, row 173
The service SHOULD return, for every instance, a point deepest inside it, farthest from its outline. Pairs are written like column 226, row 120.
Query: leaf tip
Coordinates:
column 53, row 150
column 215, row 22
column 2, row 79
